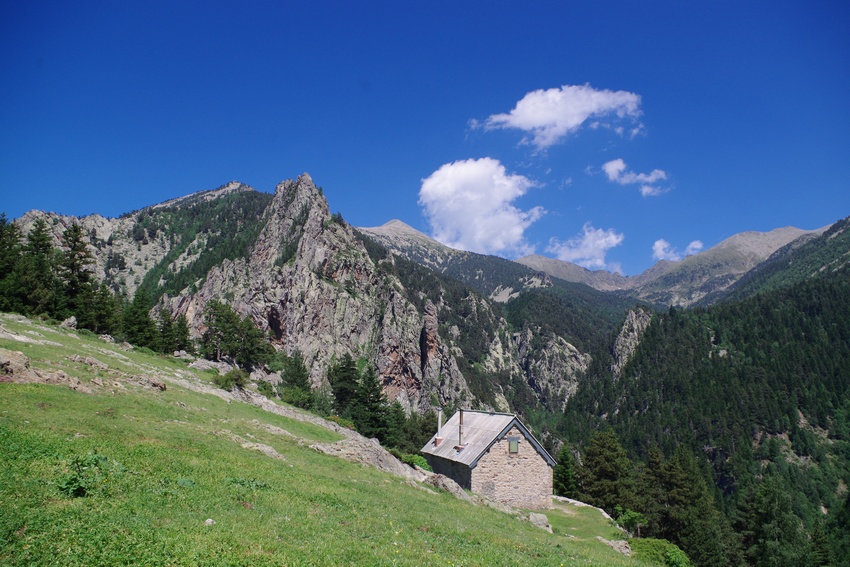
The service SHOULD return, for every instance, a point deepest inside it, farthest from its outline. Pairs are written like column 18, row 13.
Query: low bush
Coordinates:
column 88, row 474
column 659, row 552
column 236, row 378
column 412, row 460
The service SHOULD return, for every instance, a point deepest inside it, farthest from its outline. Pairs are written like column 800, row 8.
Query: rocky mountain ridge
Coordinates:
column 689, row 280
column 306, row 277
column 682, row 283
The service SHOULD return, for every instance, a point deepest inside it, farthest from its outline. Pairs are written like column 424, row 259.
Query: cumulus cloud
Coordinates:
column 616, row 170
column 547, row 116
column 468, row 205
column 663, row 250
column 588, row 248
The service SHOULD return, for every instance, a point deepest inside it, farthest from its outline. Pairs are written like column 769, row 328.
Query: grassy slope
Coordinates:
column 175, row 459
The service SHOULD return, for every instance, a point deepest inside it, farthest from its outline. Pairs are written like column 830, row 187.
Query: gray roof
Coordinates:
column 481, row 430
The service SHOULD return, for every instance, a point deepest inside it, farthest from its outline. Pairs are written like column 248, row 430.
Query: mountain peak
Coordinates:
column 208, row 195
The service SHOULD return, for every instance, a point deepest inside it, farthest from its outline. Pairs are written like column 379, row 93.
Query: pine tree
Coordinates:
column 36, row 280
column 564, row 475
column 295, row 373
column 369, row 408
column 218, row 341
column 105, row 312
column 139, row 329
column 182, row 340
column 167, row 339
column 77, row 283
column 343, row 378
column 229, row 337
column 604, row 473
column 778, row 534
column 10, row 257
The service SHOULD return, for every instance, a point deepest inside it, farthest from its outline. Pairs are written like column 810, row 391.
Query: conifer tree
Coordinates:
column 343, row 378
column 77, row 287
column 369, row 410
column 182, row 341
column 604, row 474
column 167, row 340
column 564, row 474
column 36, row 278
column 778, row 534
column 105, row 312
column 10, row 257
column 138, row 326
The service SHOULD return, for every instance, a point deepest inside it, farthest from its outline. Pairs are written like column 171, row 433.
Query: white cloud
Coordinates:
column 693, row 248
column 617, row 172
column 588, row 248
column 468, row 205
column 547, row 116
column 663, row 250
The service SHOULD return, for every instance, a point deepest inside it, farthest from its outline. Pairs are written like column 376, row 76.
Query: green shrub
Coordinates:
column 659, row 552
column 297, row 397
column 236, row 378
column 267, row 389
column 88, row 474
column 412, row 460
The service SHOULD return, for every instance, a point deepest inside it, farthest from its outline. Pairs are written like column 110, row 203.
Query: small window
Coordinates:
column 513, row 445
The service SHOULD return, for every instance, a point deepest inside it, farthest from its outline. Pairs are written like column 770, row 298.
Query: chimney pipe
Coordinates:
column 460, row 430
column 437, row 438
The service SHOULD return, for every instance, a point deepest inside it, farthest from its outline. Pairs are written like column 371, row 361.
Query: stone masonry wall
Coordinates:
column 458, row 472
column 522, row 479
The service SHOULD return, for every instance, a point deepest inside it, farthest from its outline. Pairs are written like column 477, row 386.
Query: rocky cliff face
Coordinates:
column 311, row 284
column 306, row 278
column 628, row 339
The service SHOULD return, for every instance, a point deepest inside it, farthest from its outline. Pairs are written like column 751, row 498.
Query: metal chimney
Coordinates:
column 437, row 438
column 460, row 430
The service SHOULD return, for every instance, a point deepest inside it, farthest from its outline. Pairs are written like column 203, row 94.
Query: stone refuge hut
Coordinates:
column 494, row 455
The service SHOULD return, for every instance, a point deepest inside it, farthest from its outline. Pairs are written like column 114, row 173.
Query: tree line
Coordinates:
column 39, row 280
column 756, row 393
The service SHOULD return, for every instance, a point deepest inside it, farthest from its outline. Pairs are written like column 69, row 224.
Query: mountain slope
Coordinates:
column 492, row 276
column 316, row 287
column 168, row 246
column 193, row 475
column 752, row 387
column 686, row 282
column 802, row 259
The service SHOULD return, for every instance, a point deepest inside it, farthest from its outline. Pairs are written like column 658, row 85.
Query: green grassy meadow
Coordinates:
column 129, row 475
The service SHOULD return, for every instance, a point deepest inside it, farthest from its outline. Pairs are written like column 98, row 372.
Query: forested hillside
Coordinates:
column 758, row 391
column 796, row 262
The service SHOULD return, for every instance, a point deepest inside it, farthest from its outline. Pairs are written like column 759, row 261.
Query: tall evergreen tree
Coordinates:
column 295, row 373
column 564, row 474
column 10, row 256
column 138, row 326
column 167, row 339
column 76, row 277
column 182, row 341
column 343, row 378
column 604, row 475
column 105, row 312
column 370, row 407
column 229, row 337
column 36, row 279
column 218, row 341
column 778, row 535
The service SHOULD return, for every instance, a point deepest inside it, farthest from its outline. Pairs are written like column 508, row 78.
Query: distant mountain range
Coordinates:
column 693, row 280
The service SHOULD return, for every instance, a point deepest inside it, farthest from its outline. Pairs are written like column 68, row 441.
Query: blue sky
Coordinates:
column 610, row 134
